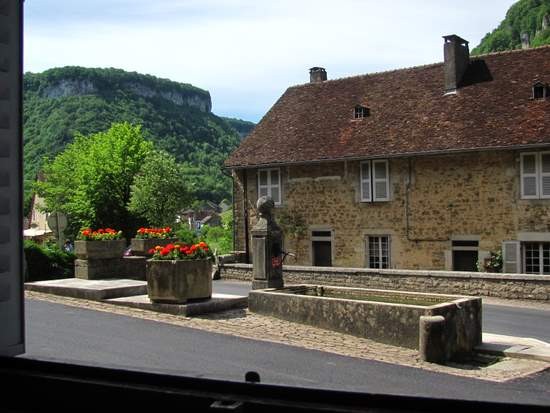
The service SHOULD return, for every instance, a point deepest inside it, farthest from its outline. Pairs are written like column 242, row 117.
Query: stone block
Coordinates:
column 97, row 269
column 99, row 249
column 178, row 281
column 431, row 339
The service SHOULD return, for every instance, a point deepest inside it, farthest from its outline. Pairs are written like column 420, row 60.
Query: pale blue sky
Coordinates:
column 246, row 52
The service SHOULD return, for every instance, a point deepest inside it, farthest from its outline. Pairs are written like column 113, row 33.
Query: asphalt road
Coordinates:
column 497, row 319
column 83, row 336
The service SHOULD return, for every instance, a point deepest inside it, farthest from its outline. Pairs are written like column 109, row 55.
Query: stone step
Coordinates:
column 90, row 289
column 218, row 302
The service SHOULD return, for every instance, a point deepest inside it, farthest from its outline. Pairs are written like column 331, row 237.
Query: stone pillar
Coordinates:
column 267, row 253
column 431, row 338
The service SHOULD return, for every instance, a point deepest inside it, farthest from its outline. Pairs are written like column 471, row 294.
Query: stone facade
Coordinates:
column 434, row 200
column 508, row 286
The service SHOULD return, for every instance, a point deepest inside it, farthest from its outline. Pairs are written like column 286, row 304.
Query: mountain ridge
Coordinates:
column 62, row 102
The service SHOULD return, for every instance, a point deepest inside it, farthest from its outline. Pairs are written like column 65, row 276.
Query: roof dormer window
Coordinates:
column 540, row 91
column 361, row 112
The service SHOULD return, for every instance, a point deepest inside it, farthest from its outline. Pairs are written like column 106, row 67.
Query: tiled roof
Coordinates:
column 409, row 113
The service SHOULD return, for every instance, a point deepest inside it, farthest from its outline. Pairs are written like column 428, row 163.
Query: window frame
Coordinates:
column 372, row 180
column 380, row 251
column 323, row 238
column 543, row 88
column 269, row 186
column 541, row 247
column 361, row 112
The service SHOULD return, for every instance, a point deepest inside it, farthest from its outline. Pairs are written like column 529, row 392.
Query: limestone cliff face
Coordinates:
column 76, row 87
column 69, row 87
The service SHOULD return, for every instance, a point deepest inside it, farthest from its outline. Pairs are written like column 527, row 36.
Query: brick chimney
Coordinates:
column 456, row 59
column 317, row 75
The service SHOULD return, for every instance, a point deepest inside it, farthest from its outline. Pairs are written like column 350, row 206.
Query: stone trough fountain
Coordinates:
column 440, row 326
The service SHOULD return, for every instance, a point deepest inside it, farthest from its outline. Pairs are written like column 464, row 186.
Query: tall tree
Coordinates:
column 160, row 190
column 91, row 180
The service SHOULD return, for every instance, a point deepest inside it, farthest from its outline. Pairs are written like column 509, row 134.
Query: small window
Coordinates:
column 269, row 184
column 361, row 112
column 540, row 91
column 378, row 251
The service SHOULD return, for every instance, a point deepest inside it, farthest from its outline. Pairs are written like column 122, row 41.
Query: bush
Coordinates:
column 47, row 262
column 219, row 239
column 185, row 235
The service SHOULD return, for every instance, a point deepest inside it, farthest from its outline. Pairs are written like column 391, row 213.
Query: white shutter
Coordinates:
column 275, row 186
column 545, row 175
column 262, row 183
column 529, row 176
column 381, row 181
column 511, row 257
column 12, row 339
column 365, row 182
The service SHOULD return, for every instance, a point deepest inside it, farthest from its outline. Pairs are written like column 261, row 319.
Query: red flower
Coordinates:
column 164, row 251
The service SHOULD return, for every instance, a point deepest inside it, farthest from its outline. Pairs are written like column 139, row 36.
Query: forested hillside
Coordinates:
column 60, row 102
column 530, row 18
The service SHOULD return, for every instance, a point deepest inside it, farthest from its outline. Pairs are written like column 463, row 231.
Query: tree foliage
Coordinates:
column 525, row 16
column 62, row 103
column 91, row 180
column 160, row 190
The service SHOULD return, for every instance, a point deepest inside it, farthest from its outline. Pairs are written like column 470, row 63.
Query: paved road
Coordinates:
column 497, row 319
column 78, row 335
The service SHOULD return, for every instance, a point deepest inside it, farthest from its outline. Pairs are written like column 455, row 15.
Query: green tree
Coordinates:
column 91, row 180
column 159, row 191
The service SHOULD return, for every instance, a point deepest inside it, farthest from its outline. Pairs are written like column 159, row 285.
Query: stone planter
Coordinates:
column 142, row 246
column 177, row 281
column 99, row 249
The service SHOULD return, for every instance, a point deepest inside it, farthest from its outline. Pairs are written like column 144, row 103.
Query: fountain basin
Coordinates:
column 387, row 316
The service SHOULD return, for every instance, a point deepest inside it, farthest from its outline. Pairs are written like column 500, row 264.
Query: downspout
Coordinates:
column 232, row 204
column 407, row 210
column 245, row 214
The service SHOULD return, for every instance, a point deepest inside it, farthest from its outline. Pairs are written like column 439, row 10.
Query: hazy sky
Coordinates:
column 247, row 52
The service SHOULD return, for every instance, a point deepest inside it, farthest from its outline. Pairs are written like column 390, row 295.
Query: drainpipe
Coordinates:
column 245, row 215
column 224, row 171
column 407, row 211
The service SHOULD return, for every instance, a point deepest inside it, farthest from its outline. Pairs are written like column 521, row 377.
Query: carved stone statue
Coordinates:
column 267, row 251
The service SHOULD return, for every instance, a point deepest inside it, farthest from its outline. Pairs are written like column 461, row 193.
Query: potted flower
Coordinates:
column 99, row 244
column 177, row 273
column 147, row 238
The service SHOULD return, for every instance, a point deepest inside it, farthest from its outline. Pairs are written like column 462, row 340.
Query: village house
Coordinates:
column 430, row 167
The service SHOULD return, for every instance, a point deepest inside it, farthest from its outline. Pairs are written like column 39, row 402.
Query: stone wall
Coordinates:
column 434, row 200
column 512, row 286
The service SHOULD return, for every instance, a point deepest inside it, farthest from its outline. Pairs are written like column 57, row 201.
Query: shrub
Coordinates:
column 185, row 235
column 47, row 262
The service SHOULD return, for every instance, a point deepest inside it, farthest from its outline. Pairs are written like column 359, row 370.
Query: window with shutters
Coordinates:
column 378, row 251
column 535, row 175
column 269, row 184
column 375, row 181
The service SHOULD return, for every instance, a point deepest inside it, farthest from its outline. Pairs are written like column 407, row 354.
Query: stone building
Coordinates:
column 430, row 167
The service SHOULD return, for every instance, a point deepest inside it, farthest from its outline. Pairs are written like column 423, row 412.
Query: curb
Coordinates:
column 515, row 347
